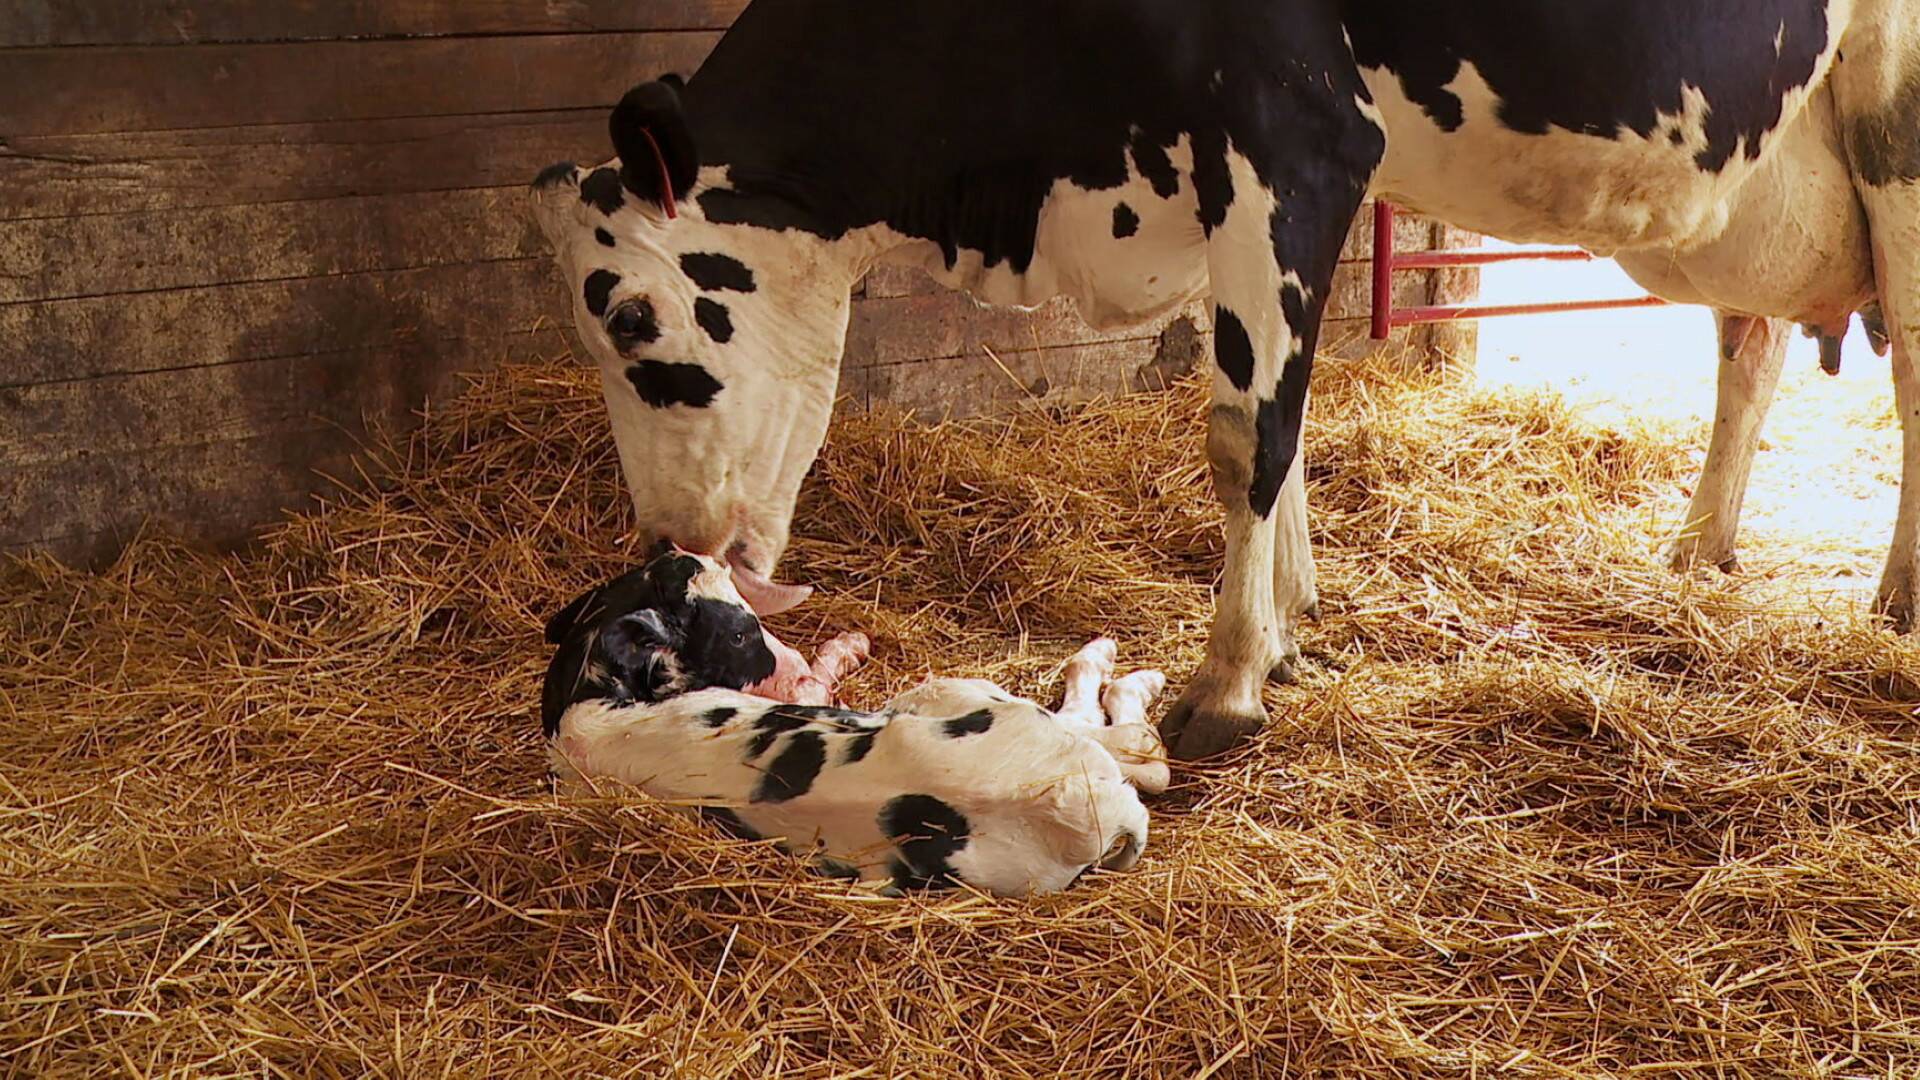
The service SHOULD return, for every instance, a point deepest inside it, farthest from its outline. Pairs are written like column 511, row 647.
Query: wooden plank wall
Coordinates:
column 233, row 233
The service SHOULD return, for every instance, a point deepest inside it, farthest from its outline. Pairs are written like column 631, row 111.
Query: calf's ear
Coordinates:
column 644, row 649
column 658, row 160
column 568, row 617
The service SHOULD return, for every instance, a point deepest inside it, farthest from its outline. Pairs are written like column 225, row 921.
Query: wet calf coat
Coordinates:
column 955, row 781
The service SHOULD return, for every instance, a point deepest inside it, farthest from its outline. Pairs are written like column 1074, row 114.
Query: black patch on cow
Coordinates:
column 1598, row 69
column 977, row 722
column 928, row 834
column 662, row 384
column 859, row 746
column 602, row 235
column 1151, row 159
column 729, row 822
column 726, row 206
column 794, row 769
column 717, row 718
column 1232, row 349
column 771, row 725
column 1125, row 221
column 1293, row 308
column 1212, row 183
column 556, row 173
column 601, row 190
column 969, row 114
column 715, row 272
column 598, row 290
column 1676, row 136
column 713, row 317
column 1276, row 429
column 1884, row 143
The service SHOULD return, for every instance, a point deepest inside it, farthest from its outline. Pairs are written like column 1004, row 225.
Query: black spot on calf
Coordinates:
column 794, row 769
column 601, row 190
column 859, row 746
column 1232, row 349
column 729, row 822
column 928, row 833
column 715, row 272
column 713, row 317
column 772, row 724
column 662, row 385
column 977, row 722
column 1125, row 221
column 605, row 237
column 598, row 290
column 716, row 718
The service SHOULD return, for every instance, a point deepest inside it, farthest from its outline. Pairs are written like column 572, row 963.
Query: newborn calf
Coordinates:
column 658, row 683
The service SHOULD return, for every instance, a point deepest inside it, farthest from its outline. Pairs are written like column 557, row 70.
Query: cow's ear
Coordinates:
column 658, row 160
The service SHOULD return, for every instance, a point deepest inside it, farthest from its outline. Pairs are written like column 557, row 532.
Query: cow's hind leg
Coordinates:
column 1271, row 256
column 1752, row 352
column 1894, row 212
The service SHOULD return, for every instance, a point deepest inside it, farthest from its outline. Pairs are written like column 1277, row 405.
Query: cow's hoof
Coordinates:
column 1684, row 555
column 1311, row 612
column 1286, row 672
column 1895, row 604
column 1215, row 714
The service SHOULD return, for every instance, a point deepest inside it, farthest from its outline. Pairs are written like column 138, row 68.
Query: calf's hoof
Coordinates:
column 1216, row 713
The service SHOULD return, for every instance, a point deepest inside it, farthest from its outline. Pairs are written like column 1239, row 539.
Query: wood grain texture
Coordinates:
column 173, row 22
column 53, row 91
column 177, row 329
column 53, row 176
column 52, row 259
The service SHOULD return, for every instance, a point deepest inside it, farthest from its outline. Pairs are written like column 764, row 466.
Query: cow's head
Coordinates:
column 673, row 626
column 718, row 342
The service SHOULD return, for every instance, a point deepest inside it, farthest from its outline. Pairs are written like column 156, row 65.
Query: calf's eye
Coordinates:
column 632, row 323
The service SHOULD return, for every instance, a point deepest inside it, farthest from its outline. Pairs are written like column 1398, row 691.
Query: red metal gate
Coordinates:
column 1386, row 261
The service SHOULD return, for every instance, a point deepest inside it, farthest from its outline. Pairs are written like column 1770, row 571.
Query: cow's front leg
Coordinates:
column 1271, row 260
column 1294, row 593
column 1752, row 352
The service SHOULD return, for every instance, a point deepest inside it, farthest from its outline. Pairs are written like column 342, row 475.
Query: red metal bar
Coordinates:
column 1382, row 269
column 1452, row 312
column 1386, row 261
column 1429, row 260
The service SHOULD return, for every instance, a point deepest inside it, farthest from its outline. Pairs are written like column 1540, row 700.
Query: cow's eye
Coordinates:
column 632, row 323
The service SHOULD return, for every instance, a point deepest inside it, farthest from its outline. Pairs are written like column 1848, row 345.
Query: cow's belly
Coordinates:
column 1794, row 244
column 1124, row 255
column 1606, row 195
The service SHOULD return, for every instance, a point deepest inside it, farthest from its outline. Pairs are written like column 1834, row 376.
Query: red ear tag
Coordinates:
column 666, row 180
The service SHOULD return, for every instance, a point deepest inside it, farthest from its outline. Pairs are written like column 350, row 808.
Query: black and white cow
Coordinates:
column 660, row 683
column 1760, row 156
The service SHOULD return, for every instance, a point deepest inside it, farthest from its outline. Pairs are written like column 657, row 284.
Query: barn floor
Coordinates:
column 1539, row 808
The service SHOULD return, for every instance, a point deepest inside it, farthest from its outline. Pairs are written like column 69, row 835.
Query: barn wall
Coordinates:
column 232, row 233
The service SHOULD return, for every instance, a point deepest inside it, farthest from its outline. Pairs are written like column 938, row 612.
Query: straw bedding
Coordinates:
column 1538, row 808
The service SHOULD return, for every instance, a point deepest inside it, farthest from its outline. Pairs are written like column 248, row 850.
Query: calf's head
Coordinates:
column 673, row 626
column 717, row 327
